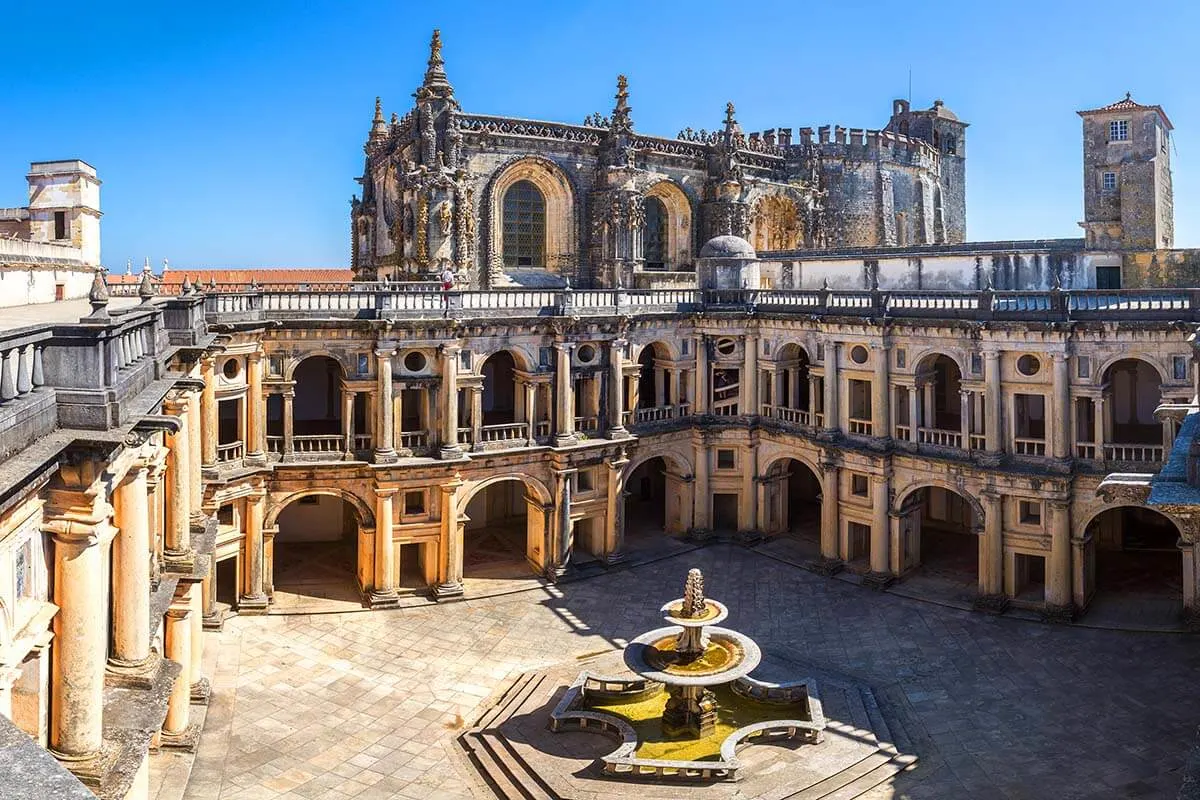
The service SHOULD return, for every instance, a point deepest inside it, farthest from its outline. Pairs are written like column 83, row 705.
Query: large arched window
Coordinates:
column 524, row 226
column 654, row 241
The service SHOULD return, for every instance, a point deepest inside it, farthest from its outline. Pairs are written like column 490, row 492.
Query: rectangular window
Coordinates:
column 1031, row 416
column 1118, row 130
column 821, row 352
column 726, row 460
column 1030, row 512
column 858, row 540
column 414, row 503
column 859, row 485
column 584, row 481
column 1179, row 367
column 1108, row 181
column 23, row 569
column 976, row 363
column 364, row 364
column 1108, row 277
column 60, row 225
column 686, row 346
column 901, row 358
column 1083, row 367
column 464, row 360
column 275, row 364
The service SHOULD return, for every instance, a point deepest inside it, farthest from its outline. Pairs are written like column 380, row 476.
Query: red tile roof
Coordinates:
column 175, row 277
column 1127, row 103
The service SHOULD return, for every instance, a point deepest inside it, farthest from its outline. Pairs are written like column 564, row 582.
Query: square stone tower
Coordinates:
column 1127, row 199
column 64, row 206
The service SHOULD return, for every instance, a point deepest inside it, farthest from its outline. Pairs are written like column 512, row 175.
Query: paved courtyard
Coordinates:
column 367, row 705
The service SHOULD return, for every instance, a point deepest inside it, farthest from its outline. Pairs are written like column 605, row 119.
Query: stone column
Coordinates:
column 616, row 386
column 964, row 403
column 1061, row 422
column 748, row 507
column 676, row 397
column 384, row 593
column 177, row 642
column 701, row 517
column 529, row 387
column 348, row 421
column 748, row 401
column 131, row 577
column 1058, row 569
column 880, row 394
column 829, row 512
column 195, row 470
column 385, row 442
column 880, row 527
column 177, row 539
column 565, row 538
column 914, row 418
column 476, row 394
column 289, row 423
column 198, row 686
column 564, row 396
column 830, row 405
column 1098, row 425
column 615, row 515
column 991, row 547
column 81, row 531
column 450, row 448
column 452, row 586
column 208, row 410
column 993, row 398
column 256, row 411
column 255, row 598
column 700, row 398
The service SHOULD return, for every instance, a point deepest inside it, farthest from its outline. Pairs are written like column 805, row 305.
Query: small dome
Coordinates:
column 727, row 247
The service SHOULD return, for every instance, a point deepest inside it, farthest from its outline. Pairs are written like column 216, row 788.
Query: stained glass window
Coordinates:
column 655, row 235
column 524, row 226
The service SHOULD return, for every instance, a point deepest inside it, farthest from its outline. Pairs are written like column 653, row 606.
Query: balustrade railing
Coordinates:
column 940, row 438
column 275, row 444
column 978, row 441
column 1141, row 453
column 363, row 441
column 902, row 432
column 860, row 427
column 20, row 368
column 233, row 451
column 323, row 443
column 587, row 424
column 506, row 432
column 414, row 440
column 464, row 435
column 1085, row 450
column 1029, row 447
column 542, row 428
column 654, row 414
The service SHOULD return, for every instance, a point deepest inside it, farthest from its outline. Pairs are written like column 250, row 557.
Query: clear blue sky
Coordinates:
column 230, row 134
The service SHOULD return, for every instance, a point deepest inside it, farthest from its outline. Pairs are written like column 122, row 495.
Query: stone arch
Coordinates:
column 797, row 455
column 782, row 347
column 671, row 350
column 561, row 247
column 657, row 502
column 977, row 514
column 1126, row 554
column 790, row 498
column 925, row 357
column 524, row 360
column 535, row 548
column 537, row 489
column 290, row 366
column 680, row 245
column 681, row 462
column 366, row 514
column 1089, row 515
column 1100, row 375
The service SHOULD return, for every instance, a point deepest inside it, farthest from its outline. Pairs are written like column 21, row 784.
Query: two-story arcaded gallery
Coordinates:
column 647, row 342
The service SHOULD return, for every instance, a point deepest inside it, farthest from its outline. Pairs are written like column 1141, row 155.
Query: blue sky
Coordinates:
column 230, row 134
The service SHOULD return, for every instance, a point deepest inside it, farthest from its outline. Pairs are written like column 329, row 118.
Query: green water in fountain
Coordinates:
column 720, row 655
column 733, row 712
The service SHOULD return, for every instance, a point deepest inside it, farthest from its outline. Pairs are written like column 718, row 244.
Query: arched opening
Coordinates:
column 524, row 218
column 314, row 553
column 792, row 493
column 935, row 405
column 499, row 389
column 940, row 534
column 317, row 406
column 657, row 502
column 788, row 394
column 503, row 534
column 1136, row 558
column 1131, row 393
column 654, row 234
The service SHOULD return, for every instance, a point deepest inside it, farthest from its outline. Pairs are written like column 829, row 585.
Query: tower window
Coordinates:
column 655, row 236
column 524, row 226
column 1109, row 182
column 1118, row 130
column 60, row 224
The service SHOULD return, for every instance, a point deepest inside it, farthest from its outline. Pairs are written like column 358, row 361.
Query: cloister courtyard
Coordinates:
column 370, row 704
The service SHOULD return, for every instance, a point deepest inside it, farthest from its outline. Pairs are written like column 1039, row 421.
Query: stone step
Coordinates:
column 868, row 781
column 883, row 734
column 528, row 783
column 501, row 782
column 847, row 777
column 859, row 717
column 503, row 705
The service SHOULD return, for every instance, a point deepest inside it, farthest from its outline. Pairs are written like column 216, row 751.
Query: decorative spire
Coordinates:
column 165, row 265
column 187, row 285
column 98, row 296
column 378, row 126
column 729, row 111
column 435, row 76
column 129, row 266
column 620, row 116
column 693, row 595
column 146, row 288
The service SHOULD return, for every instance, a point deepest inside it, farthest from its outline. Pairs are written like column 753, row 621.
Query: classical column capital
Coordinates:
column 384, row 492
column 385, row 352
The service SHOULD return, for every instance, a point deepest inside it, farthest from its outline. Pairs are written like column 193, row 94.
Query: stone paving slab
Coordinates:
column 367, row 705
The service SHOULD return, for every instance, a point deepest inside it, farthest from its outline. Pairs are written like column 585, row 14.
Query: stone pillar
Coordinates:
column 208, row 410
column 177, row 642
column 991, row 547
column 177, row 539
column 1058, row 568
column 198, row 685
column 748, row 402
column 451, row 586
column 676, row 397
column 254, row 600
column 829, row 512
column 993, row 398
column 131, row 577
column 914, row 418
column 1098, row 425
column 700, row 398
column 195, row 471
column 880, row 394
column 1060, row 431
column 748, row 507
column 566, row 529
column 476, row 393
column 385, row 442
column 256, row 411
column 832, row 387
column 384, row 592
column 530, row 389
column 81, row 531
column 564, row 396
column 615, row 516
column 289, row 423
column 348, row 396
column 450, row 448
column 616, row 386
column 702, row 516
column 880, row 529
column 964, row 404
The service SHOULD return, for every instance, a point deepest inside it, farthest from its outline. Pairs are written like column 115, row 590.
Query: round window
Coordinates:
column 230, row 368
column 1028, row 365
column 415, row 361
column 587, row 354
column 858, row 354
column 726, row 347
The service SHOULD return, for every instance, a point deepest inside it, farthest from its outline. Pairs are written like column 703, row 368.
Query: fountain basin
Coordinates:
column 714, row 612
column 729, row 655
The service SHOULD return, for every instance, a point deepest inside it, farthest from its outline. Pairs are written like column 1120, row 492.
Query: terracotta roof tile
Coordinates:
column 1127, row 103
column 175, row 277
